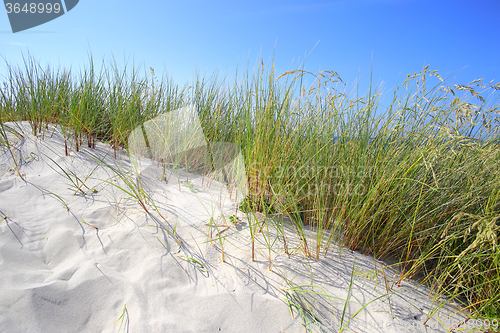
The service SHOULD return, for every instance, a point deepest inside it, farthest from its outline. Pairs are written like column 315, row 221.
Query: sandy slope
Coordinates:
column 96, row 262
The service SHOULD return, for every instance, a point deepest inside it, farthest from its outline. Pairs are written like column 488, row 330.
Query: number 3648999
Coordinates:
column 32, row 8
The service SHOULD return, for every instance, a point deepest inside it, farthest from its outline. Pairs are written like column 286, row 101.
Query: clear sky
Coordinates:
column 180, row 37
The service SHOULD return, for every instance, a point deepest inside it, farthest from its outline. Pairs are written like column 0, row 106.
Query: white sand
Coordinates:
column 102, row 264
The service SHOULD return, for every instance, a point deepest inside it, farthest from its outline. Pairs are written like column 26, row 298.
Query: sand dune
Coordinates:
column 88, row 258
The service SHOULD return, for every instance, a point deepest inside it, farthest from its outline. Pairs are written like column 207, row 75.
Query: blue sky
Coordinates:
column 180, row 37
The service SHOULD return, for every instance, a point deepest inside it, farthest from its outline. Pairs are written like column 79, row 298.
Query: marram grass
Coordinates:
column 416, row 178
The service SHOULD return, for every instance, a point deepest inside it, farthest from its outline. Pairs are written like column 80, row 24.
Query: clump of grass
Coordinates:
column 415, row 178
column 105, row 105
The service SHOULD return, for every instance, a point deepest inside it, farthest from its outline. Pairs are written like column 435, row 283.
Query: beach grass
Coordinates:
column 413, row 177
